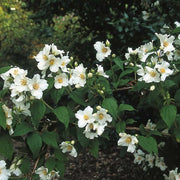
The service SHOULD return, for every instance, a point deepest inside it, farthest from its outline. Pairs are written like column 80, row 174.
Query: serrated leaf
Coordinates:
column 111, row 105
column 125, row 107
column 148, row 143
column 56, row 94
column 78, row 98
column 2, row 117
column 50, row 163
column 25, row 165
column 124, row 73
column 50, row 138
column 34, row 142
column 81, row 138
column 6, row 146
column 38, row 109
column 168, row 114
column 94, row 148
column 62, row 115
column 130, row 121
column 60, row 166
column 22, row 129
column 3, row 92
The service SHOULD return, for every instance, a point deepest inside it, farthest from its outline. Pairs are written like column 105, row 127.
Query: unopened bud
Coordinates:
column 92, row 70
column 32, row 97
column 113, row 55
column 131, row 64
column 107, row 43
column 101, row 92
column 77, row 86
column 98, row 107
column 90, row 75
column 103, row 88
column 71, row 58
column 152, row 88
column 72, row 142
column 76, row 64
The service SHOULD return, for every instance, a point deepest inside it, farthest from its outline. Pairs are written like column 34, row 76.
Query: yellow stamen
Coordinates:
column 69, row 147
column 162, row 70
column 63, row 64
column 15, row 72
column 23, row 82
column 86, row 117
column 36, row 86
column 60, row 80
column 91, row 126
column 104, row 49
column 82, row 76
column 145, row 50
column 128, row 140
column 51, row 62
column 101, row 116
column 44, row 172
column 152, row 73
column 0, row 172
column 45, row 57
column 8, row 127
column 165, row 44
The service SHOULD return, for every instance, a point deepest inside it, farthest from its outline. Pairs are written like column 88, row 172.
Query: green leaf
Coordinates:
column 62, row 115
column 81, row 138
column 2, row 117
column 60, row 166
column 128, row 71
column 78, row 98
column 34, row 142
column 4, row 69
column 130, row 121
column 148, row 143
column 177, row 96
column 25, row 165
column 120, row 127
column 38, row 109
column 6, row 146
column 119, row 62
column 56, row 94
column 50, row 138
column 94, row 147
column 22, row 129
column 168, row 114
column 125, row 107
column 50, row 163
column 111, row 105
column 176, row 30
column 3, row 92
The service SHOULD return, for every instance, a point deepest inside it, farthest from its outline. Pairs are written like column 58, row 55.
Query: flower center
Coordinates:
column 82, row 76
column 165, row 44
column 162, row 70
column 101, row 116
column 69, row 147
column 45, row 57
column 128, row 140
column 91, row 126
column 60, row 80
column 0, row 171
column 15, row 72
column 153, row 74
column 63, row 64
column 139, row 158
column 145, row 50
column 104, row 49
column 86, row 117
column 36, row 86
column 44, row 172
column 23, row 82
column 51, row 62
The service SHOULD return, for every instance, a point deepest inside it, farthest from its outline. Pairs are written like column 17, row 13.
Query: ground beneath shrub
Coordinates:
column 109, row 166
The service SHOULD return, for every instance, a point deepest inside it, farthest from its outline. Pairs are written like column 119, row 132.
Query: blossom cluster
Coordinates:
column 94, row 123
column 155, row 65
column 149, row 160
column 68, row 146
column 173, row 175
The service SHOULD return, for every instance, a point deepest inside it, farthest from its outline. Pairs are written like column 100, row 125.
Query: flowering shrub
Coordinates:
column 68, row 107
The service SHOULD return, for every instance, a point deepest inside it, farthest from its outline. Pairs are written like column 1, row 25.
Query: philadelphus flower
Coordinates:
column 166, row 42
column 61, row 80
column 100, row 71
column 139, row 156
column 37, row 86
column 102, row 51
column 85, row 116
column 173, row 175
column 4, row 173
column 160, row 163
column 68, row 147
column 150, row 125
column 78, row 76
column 151, row 75
column 129, row 141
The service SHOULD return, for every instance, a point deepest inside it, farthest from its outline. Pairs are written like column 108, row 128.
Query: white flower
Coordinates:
column 164, row 70
column 93, row 130
column 129, row 141
column 150, row 125
column 68, row 147
column 37, row 86
column 55, row 50
column 177, row 23
column 102, row 51
column 150, row 159
column 100, row 71
column 177, row 55
column 85, row 116
column 22, row 108
column 53, row 174
column 160, row 163
column 64, row 61
column 139, row 156
column 43, row 173
column 78, row 76
column 140, row 72
column 4, row 173
column 61, row 80
column 102, row 117
column 145, row 15
column 151, row 75
column 131, row 52
column 54, row 63
column 166, row 42
column 15, row 170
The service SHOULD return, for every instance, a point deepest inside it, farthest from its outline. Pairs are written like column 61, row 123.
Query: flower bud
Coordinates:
column 71, row 58
column 152, row 88
column 107, row 43
column 113, row 55
column 90, row 75
column 77, row 86
column 72, row 142
column 76, row 64
column 98, row 107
